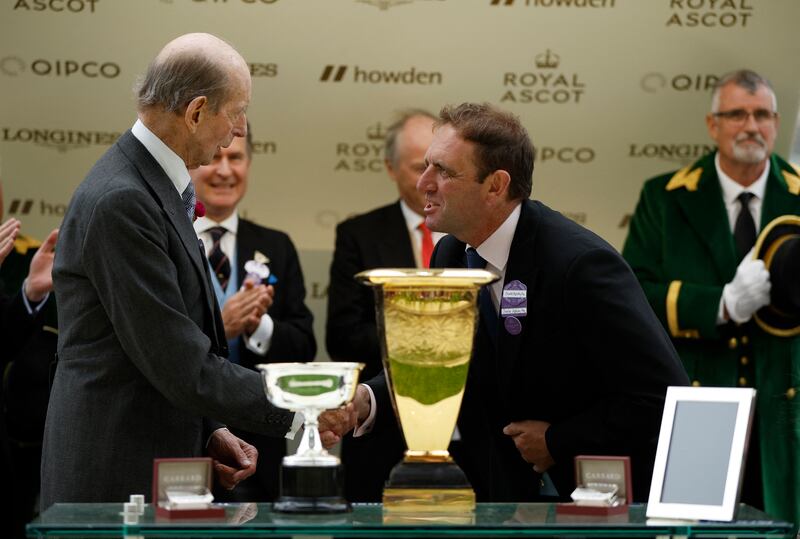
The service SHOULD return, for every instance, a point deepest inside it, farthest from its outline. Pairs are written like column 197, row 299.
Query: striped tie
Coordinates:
column 189, row 201
column 218, row 260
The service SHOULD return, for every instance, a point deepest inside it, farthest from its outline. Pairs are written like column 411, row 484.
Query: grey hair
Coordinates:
column 744, row 78
column 173, row 82
column 390, row 148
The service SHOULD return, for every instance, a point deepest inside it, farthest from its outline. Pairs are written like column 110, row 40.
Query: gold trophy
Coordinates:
column 426, row 320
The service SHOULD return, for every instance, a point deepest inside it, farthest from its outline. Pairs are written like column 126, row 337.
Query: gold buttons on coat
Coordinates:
column 696, row 383
column 790, row 393
column 733, row 343
column 742, row 381
column 744, row 360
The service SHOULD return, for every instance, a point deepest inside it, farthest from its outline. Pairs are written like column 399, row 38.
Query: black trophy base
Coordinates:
column 429, row 487
column 312, row 489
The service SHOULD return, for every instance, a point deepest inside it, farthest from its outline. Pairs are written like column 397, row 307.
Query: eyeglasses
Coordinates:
column 740, row 116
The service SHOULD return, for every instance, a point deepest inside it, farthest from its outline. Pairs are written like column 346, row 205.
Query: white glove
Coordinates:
column 748, row 291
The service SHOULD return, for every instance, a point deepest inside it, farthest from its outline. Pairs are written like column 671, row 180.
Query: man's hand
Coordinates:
column 40, row 273
column 234, row 459
column 8, row 233
column 333, row 424
column 529, row 438
column 242, row 312
column 748, row 291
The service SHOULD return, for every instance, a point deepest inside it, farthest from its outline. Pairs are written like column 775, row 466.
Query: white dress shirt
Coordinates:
column 172, row 164
column 261, row 339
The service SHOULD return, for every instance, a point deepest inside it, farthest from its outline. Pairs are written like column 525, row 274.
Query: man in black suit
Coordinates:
column 142, row 369
column 581, row 369
column 386, row 237
column 266, row 321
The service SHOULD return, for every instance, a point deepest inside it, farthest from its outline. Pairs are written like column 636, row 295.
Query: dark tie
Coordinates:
column 218, row 260
column 488, row 314
column 744, row 231
column 427, row 245
column 189, row 200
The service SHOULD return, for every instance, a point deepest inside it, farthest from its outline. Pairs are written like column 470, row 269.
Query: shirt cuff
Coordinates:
column 261, row 339
column 32, row 307
column 297, row 422
column 208, row 440
column 369, row 422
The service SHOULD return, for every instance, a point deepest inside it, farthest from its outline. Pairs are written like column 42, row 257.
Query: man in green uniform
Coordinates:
column 689, row 245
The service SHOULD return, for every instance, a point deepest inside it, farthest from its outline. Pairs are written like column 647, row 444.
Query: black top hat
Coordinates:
column 778, row 246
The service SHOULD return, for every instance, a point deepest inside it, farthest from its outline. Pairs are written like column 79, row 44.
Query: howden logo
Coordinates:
column 412, row 76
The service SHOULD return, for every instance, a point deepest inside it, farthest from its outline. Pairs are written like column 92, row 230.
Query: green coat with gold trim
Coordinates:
column 682, row 250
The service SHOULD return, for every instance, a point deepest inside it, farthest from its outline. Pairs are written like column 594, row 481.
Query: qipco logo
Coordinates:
column 14, row 66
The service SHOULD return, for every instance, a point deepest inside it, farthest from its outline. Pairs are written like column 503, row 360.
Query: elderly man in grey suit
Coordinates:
column 141, row 371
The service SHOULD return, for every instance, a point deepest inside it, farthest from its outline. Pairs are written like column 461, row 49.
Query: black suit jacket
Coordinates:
column 591, row 359
column 292, row 341
column 377, row 239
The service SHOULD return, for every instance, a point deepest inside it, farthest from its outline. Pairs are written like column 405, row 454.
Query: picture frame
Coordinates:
column 701, row 452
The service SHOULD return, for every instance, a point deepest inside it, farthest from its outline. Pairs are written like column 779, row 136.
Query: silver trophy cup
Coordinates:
column 312, row 480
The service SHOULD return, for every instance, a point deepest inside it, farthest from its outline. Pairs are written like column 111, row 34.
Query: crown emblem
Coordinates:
column 376, row 132
column 547, row 60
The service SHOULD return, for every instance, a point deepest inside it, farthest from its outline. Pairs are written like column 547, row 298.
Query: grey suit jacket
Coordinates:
column 140, row 369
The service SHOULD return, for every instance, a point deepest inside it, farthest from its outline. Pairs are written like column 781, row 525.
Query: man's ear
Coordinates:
column 195, row 110
column 498, row 184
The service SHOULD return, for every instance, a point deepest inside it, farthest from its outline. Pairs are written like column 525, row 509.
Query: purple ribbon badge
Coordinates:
column 513, row 306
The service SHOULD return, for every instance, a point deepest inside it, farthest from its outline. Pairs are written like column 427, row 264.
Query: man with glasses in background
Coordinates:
column 690, row 244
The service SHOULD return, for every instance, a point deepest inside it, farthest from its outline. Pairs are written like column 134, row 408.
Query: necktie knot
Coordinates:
column 216, row 233
column 427, row 244
column 189, row 200
column 474, row 260
column 744, row 198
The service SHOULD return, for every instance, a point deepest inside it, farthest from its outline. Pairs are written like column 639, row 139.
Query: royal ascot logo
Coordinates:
column 364, row 155
column 57, row 6
column 555, row 3
column 709, row 13
column 681, row 154
column 62, row 140
column 383, row 5
column 566, row 155
column 263, row 70
column 682, row 82
column 413, row 76
column 544, row 85
column 44, row 208
column 14, row 66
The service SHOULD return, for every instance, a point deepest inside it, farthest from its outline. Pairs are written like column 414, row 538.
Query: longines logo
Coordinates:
column 710, row 13
column 565, row 155
column 383, row 5
column 555, row 3
column 263, row 70
column 547, row 84
column 681, row 153
column 14, row 66
column 682, row 82
column 58, row 139
column 339, row 73
column 66, row 6
column 265, row 147
column 25, row 206
column 365, row 155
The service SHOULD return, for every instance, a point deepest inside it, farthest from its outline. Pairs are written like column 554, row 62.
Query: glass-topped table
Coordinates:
column 369, row 520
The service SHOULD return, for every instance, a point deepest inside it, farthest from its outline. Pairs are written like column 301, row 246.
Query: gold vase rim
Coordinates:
column 433, row 277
